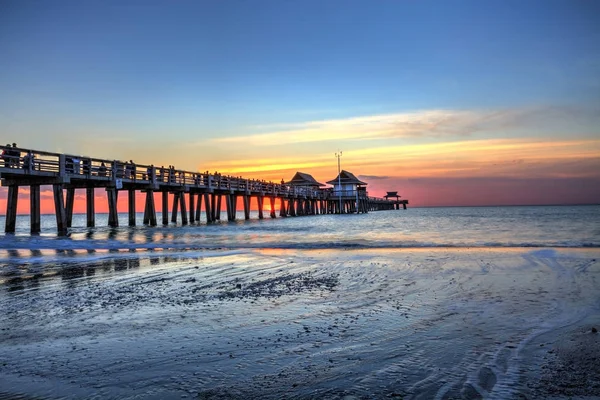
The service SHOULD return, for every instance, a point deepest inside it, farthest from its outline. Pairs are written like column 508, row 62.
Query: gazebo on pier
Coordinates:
column 351, row 192
column 302, row 179
column 392, row 194
column 398, row 201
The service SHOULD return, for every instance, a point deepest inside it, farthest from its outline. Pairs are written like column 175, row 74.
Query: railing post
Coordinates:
column 114, row 170
column 30, row 162
column 61, row 165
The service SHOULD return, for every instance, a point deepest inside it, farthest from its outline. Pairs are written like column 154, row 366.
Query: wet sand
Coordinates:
column 412, row 324
column 571, row 366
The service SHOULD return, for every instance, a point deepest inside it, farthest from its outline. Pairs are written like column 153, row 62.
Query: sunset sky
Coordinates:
column 447, row 102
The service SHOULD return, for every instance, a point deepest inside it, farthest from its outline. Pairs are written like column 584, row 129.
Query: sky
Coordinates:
column 447, row 102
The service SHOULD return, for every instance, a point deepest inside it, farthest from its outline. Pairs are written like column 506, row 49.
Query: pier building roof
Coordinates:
column 303, row 179
column 346, row 178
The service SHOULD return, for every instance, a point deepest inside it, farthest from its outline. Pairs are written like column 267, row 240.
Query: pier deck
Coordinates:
column 66, row 173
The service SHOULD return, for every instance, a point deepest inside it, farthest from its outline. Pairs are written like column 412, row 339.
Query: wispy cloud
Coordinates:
column 467, row 158
column 373, row 177
column 427, row 123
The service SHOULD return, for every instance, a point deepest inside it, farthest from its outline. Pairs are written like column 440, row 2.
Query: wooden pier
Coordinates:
column 190, row 191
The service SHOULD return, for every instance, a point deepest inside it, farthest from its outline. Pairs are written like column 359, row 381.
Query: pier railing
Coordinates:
column 69, row 167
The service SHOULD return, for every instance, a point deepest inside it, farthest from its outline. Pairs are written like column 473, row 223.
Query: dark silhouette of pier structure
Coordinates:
column 66, row 173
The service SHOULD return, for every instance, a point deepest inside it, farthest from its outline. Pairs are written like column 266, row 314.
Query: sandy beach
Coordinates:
column 412, row 324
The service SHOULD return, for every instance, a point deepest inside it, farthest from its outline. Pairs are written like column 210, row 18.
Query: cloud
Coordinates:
column 515, row 158
column 373, row 177
column 427, row 123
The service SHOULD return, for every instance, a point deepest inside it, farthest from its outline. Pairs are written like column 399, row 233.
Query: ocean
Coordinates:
column 424, row 303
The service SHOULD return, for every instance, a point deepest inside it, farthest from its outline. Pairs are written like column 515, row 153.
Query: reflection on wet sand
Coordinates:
column 26, row 269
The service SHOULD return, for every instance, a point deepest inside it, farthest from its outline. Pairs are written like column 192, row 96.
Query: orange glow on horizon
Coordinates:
column 394, row 167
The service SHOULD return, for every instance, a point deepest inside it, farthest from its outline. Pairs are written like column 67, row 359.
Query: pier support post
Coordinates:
column 165, row 208
column 131, row 206
column 192, row 211
column 292, row 207
column 34, row 208
column 282, row 209
column 175, row 207
column 273, row 214
column 233, row 206
column 146, row 219
column 149, row 209
column 69, row 206
column 184, row 217
column 90, row 209
column 218, row 209
column 11, row 209
column 213, row 207
column 207, row 208
column 199, row 207
column 113, row 215
column 59, row 208
column 260, row 201
column 246, row 199
column 228, row 207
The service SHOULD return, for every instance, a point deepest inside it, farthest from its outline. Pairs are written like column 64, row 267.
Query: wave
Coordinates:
column 116, row 246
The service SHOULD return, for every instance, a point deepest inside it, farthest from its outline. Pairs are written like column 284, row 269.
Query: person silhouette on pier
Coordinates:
column 149, row 172
column 15, row 154
column 6, row 155
column 102, row 170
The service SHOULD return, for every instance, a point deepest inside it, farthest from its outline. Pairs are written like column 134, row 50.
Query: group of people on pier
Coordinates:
column 11, row 158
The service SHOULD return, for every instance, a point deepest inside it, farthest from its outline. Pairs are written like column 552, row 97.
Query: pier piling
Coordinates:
column 34, row 209
column 90, row 210
column 59, row 209
column 184, row 218
column 70, row 205
column 113, row 216
column 11, row 209
column 131, row 206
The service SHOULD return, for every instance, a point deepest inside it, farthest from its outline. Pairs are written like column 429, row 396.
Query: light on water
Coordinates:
column 552, row 226
column 423, row 303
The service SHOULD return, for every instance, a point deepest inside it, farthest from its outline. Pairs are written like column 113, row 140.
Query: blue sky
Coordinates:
column 198, row 72
column 275, row 60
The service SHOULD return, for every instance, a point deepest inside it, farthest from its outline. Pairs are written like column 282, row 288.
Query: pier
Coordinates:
column 190, row 191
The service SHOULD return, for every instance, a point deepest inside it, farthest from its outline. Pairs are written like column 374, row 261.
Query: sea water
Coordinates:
column 551, row 226
column 464, row 302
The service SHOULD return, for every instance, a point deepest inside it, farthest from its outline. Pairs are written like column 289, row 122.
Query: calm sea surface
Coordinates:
column 436, row 303
column 552, row 226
